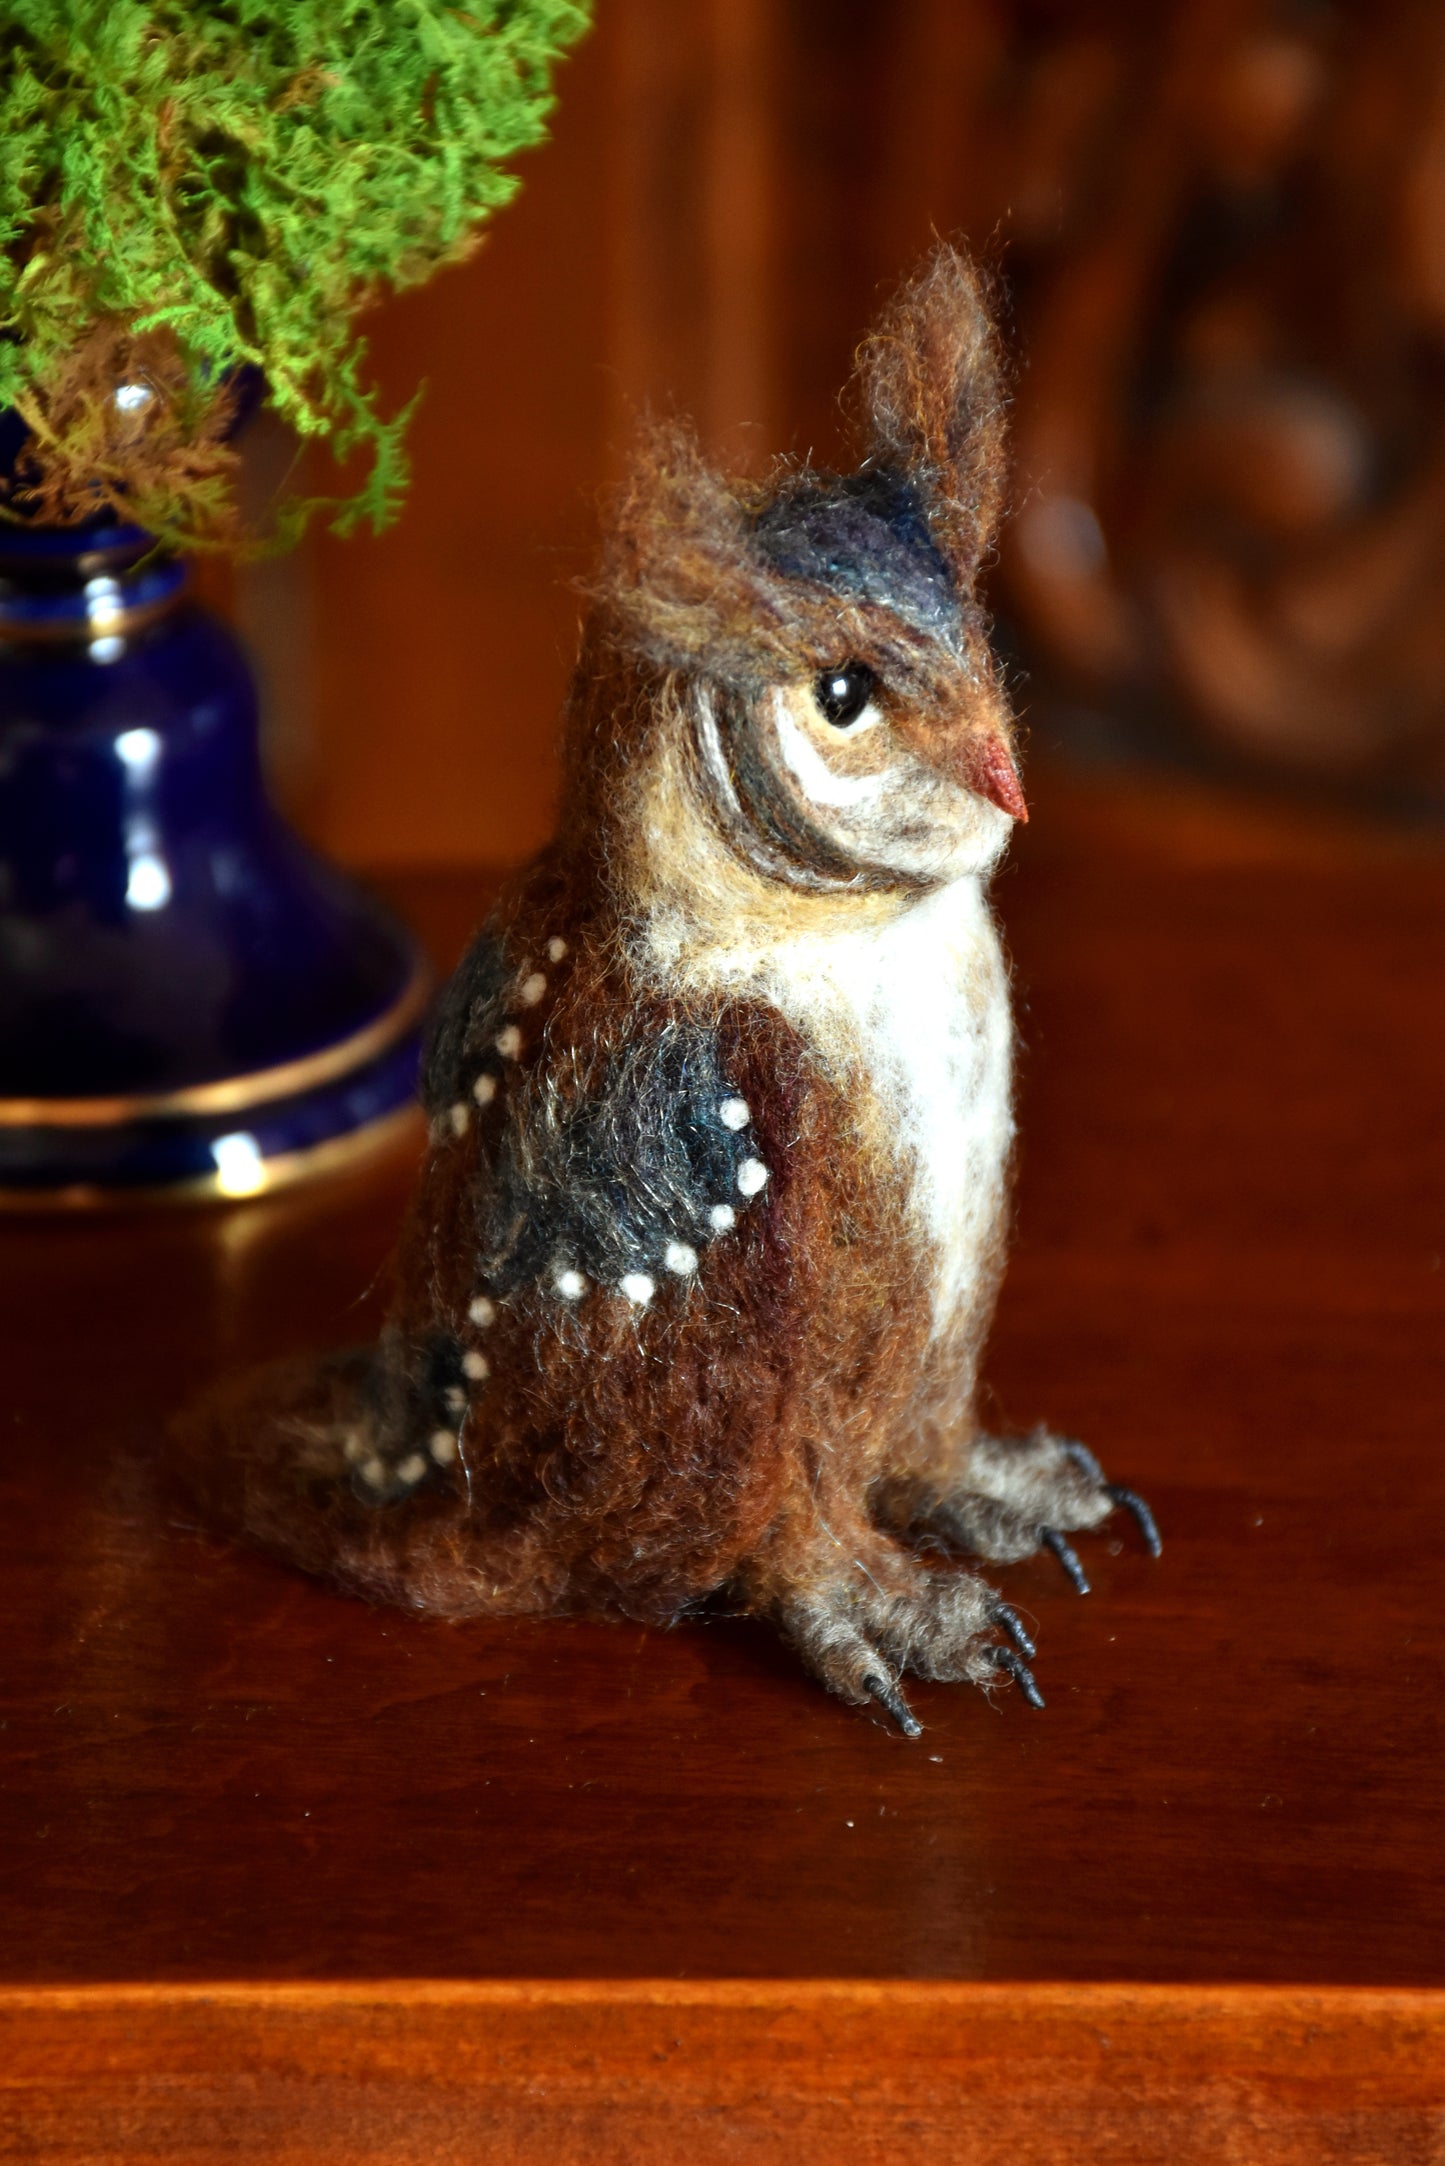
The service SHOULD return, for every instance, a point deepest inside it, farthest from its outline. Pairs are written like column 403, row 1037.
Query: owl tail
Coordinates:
column 305, row 1457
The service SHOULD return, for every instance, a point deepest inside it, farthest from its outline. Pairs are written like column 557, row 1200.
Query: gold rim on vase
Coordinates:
column 231, row 1094
column 337, row 1154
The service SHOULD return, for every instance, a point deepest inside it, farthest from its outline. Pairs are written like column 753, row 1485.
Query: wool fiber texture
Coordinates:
column 689, row 1307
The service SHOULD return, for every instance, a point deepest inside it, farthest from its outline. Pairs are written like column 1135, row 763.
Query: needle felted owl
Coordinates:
column 707, row 1238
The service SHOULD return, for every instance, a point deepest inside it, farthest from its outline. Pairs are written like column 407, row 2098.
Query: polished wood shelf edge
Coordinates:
column 656, row 2070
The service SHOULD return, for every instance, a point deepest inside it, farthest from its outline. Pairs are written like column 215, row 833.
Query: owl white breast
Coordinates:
column 908, row 1010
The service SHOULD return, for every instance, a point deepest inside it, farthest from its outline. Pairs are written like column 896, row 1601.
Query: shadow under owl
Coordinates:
column 693, row 1289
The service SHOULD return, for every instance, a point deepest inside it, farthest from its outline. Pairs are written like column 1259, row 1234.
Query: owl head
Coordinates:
column 814, row 672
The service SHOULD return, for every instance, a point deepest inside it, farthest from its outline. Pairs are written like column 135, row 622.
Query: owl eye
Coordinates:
column 842, row 694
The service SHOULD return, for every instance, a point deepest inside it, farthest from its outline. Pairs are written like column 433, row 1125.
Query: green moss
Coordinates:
column 232, row 184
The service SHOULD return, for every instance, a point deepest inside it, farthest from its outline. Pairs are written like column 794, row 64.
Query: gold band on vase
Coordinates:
column 337, row 1154
column 110, row 618
column 232, row 1094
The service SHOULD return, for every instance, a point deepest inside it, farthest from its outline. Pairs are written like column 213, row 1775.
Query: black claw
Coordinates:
column 1013, row 1624
column 1133, row 1502
column 1067, row 1556
column 891, row 1700
column 1021, row 1674
column 1084, row 1460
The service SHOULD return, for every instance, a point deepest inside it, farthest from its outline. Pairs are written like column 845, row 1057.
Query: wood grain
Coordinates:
column 612, row 2075
column 1228, row 1279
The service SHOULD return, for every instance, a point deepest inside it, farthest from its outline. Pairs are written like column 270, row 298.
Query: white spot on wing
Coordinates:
column 570, row 1285
column 734, row 1113
column 532, row 989
column 412, row 1468
column 680, row 1258
column 722, row 1218
column 752, row 1176
column 484, row 1090
column 556, row 949
column 482, row 1311
column 443, row 1447
column 509, row 1042
column 460, row 1118
column 475, row 1365
column 638, row 1287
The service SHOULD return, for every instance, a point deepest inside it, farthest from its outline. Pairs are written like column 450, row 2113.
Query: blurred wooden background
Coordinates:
column 1219, row 230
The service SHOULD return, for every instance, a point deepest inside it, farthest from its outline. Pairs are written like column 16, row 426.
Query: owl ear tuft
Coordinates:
column 680, row 575
column 931, row 380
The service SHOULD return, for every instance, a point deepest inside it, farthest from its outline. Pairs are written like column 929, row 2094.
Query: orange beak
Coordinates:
column 977, row 757
column 987, row 768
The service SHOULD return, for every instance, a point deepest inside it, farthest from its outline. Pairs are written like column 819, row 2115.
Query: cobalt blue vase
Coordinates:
column 191, row 1002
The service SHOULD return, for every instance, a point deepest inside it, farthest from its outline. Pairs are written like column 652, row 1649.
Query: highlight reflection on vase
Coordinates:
column 190, row 1000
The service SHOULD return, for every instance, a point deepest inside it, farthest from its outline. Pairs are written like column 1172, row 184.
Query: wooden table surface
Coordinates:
column 265, row 1851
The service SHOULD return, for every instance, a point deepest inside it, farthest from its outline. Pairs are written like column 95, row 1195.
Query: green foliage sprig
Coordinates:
column 188, row 189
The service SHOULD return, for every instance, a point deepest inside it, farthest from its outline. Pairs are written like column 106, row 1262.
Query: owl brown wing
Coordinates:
column 617, row 1168
column 607, row 1169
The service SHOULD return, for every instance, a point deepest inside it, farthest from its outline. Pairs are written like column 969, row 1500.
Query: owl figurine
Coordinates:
column 690, row 1305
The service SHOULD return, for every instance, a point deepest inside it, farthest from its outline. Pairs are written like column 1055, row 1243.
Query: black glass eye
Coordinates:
column 842, row 694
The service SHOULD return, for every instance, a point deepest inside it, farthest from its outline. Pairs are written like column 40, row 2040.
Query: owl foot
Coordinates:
column 1017, row 1497
column 1051, row 1539
column 881, row 1687
column 1013, row 1624
column 1021, row 1674
column 1128, row 1500
column 859, row 1640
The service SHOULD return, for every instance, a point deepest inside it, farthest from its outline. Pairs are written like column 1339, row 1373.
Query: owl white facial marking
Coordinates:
column 638, row 1287
column 509, row 1042
column 482, row 1311
column 484, row 1090
column 819, row 782
column 734, row 1113
column 443, row 1447
column 680, row 1258
column 460, row 1118
column 752, row 1176
column 532, row 989
column 476, row 1366
column 722, row 1218
column 570, row 1285
column 789, row 799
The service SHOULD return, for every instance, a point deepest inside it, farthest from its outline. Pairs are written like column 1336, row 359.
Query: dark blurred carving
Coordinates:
column 1225, row 234
column 1220, row 229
